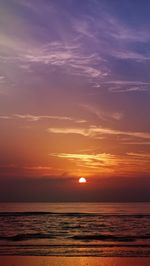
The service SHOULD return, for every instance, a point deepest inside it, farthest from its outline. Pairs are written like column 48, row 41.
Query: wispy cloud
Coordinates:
column 141, row 155
column 94, row 131
column 125, row 82
column 89, row 160
column 102, row 115
column 105, row 162
column 116, row 34
column 126, row 86
column 124, row 38
column 88, row 46
column 34, row 118
column 69, row 56
column 129, row 88
column 38, row 168
column 80, row 131
column 116, row 26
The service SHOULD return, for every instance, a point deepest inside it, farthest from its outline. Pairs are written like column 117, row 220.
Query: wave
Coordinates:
column 77, row 250
column 84, row 238
column 22, row 237
column 73, row 214
column 104, row 238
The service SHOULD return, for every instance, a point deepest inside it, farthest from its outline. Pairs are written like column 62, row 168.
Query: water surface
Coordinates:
column 75, row 229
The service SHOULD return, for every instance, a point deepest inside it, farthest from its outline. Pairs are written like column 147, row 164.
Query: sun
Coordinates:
column 82, row 180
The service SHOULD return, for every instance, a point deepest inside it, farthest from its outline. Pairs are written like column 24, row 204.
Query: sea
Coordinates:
column 75, row 229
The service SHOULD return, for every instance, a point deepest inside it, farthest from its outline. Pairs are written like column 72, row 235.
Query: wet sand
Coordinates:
column 71, row 261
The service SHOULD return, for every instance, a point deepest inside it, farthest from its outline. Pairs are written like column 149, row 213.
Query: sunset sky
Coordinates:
column 74, row 100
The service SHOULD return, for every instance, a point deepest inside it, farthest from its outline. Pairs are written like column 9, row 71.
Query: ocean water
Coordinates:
column 75, row 229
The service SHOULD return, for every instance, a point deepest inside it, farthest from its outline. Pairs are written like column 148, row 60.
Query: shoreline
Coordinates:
column 73, row 261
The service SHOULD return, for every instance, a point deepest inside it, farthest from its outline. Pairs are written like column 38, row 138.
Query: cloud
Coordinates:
column 70, row 57
column 38, row 168
column 67, row 56
column 34, row 118
column 84, row 27
column 123, row 38
column 102, row 115
column 26, row 52
column 108, row 163
column 5, row 117
column 114, row 36
column 88, row 160
column 87, row 45
column 80, row 131
column 126, row 85
column 131, row 55
column 126, row 82
column 122, row 86
column 16, row 166
column 119, row 29
column 129, row 88
column 141, row 156
column 94, row 131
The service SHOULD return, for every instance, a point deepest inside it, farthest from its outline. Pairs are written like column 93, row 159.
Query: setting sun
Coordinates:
column 82, row 180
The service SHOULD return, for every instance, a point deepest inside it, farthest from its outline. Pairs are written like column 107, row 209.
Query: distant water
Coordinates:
column 75, row 229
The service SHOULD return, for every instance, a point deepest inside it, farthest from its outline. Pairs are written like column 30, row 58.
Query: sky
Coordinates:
column 74, row 100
